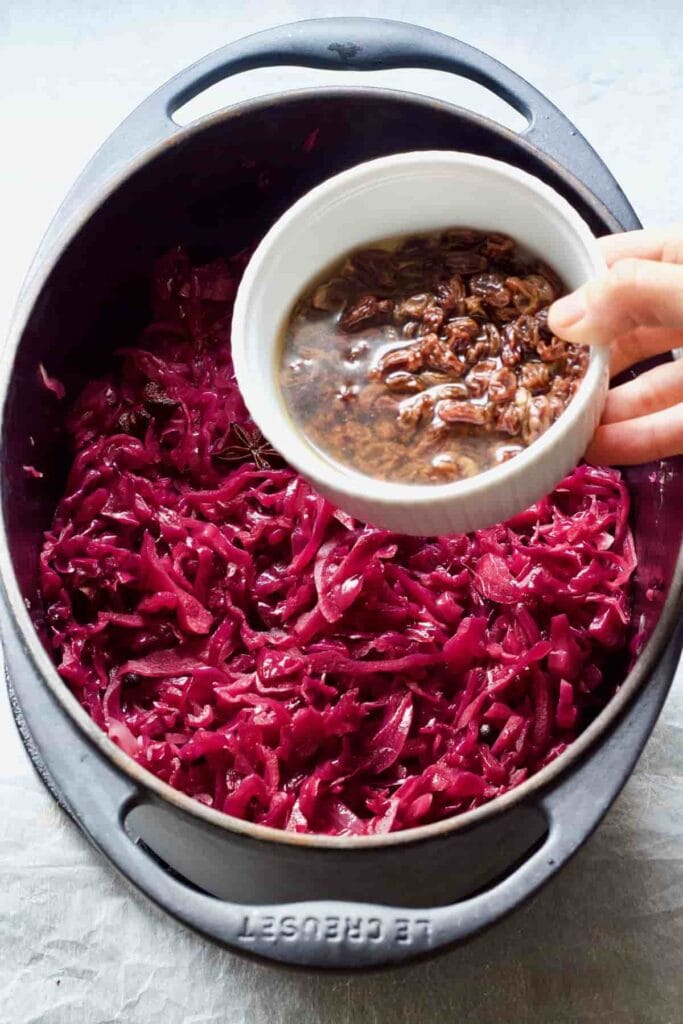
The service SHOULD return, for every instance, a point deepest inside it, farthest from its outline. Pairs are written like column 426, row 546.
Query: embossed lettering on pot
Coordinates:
column 333, row 929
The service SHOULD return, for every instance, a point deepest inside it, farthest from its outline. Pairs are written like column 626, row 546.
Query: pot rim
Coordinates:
column 58, row 237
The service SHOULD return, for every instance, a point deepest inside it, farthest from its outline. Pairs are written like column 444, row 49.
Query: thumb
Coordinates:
column 631, row 294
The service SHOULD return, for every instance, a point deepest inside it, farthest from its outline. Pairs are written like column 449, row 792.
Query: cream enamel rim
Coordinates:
column 273, row 419
column 45, row 669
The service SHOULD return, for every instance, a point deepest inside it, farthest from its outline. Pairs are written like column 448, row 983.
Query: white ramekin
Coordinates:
column 405, row 194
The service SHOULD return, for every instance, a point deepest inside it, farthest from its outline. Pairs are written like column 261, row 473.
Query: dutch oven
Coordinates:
column 316, row 901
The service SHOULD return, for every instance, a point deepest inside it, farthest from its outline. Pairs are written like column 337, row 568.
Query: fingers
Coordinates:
column 642, row 420
column 631, row 442
column 633, row 293
column 663, row 244
column 637, row 306
column 641, row 343
column 657, row 389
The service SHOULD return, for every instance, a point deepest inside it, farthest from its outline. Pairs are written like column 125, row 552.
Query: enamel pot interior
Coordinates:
column 217, row 188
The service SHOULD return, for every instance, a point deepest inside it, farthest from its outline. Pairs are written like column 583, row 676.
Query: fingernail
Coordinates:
column 567, row 311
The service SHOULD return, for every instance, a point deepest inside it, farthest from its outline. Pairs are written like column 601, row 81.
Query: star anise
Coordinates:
column 248, row 446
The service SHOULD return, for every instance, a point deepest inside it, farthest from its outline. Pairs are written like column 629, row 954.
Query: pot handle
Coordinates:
column 356, row 44
column 333, row 934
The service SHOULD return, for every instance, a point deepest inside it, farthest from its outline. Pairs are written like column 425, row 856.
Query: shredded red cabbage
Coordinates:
column 275, row 659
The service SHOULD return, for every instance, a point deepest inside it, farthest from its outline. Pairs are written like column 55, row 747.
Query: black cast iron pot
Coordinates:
column 218, row 185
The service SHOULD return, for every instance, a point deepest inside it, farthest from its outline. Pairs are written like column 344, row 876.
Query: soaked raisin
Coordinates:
column 424, row 360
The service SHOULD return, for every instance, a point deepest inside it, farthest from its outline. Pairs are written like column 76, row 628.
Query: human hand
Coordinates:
column 637, row 309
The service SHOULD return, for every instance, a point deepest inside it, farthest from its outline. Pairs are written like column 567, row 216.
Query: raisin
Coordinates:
column 527, row 331
column 577, row 361
column 497, row 246
column 489, row 336
column 374, row 268
column 538, row 418
column 438, row 356
column 409, row 358
column 551, row 350
column 561, row 388
column 556, row 406
column 461, row 238
column 452, row 389
column 490, row 286
column 526, row 295
column 435, row 378
column 432, row 318
column 503, row 385
column 401, row 381
column 413, row 409
column 460, row 332
column 511, row 353
column 367, row 310
column 474, row 306
column 479, row 377
column 462, row 412
column 454, row 355
column 451, row 295
column 535, row 377
column 412, row 308
column 465, row 262
column 508, row 419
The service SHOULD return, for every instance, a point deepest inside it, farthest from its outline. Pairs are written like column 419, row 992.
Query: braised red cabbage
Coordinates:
column 275, row 659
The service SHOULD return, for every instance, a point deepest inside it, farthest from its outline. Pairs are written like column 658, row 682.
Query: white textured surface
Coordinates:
column 603, row 941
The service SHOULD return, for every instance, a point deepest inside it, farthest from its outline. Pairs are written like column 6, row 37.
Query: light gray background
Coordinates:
column 603, row 941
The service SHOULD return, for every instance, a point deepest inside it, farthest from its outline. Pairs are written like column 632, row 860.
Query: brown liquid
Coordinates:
column 430, row 360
